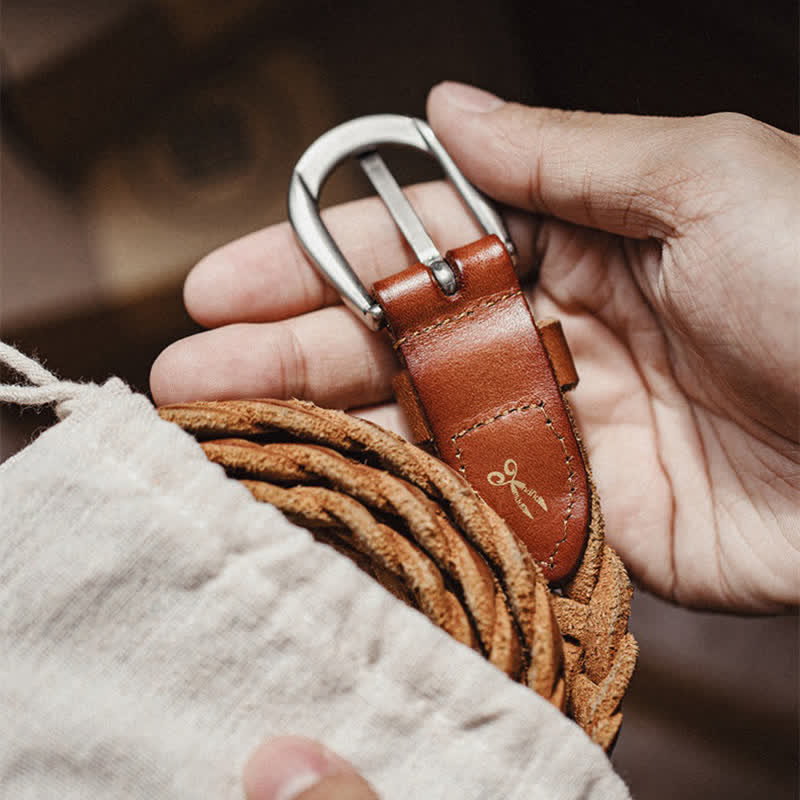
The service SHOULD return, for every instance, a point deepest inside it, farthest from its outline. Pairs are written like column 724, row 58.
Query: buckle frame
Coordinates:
column 360, row 138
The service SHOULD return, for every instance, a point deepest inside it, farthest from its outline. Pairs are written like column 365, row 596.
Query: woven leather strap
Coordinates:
column 414, row 525
column 480, row 385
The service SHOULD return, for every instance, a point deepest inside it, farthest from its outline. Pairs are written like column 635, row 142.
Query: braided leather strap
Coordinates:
column 416, row 526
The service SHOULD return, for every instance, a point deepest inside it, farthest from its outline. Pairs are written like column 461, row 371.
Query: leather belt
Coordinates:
column 481, row 384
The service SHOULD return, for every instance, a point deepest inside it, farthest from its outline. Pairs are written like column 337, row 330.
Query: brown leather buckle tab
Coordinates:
column 555, row 343
column 485, row 389
column 406, row 396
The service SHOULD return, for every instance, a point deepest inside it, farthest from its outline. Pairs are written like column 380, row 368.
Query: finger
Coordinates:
column 327, row 356
column 266, row 276
column 291, row 768
column 619, row 173
column 387, row 415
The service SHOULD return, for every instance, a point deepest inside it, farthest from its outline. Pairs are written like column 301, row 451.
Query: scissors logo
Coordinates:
column 510, row 479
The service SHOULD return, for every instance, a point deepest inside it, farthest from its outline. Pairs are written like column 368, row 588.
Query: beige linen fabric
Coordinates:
column 157, row 623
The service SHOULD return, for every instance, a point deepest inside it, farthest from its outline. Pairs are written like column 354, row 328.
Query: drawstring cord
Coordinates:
column 44, row 389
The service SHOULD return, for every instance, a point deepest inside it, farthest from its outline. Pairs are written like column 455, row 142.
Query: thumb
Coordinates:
column 293, row 768
column 616, row 172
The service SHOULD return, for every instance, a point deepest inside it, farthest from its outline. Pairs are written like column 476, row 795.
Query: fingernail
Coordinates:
column 469, row 98
column 284, row 768
column 296, row 784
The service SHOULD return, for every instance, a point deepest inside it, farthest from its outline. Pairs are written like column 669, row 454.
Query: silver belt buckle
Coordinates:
column 360, row 138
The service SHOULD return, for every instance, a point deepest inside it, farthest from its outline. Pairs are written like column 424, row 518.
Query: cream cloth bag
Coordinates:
column 157, row 623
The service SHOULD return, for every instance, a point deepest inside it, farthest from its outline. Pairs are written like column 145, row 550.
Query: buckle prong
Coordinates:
column 409, row 223
column 361, row 138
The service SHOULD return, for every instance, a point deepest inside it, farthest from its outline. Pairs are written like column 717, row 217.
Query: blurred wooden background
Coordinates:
column 139, row 135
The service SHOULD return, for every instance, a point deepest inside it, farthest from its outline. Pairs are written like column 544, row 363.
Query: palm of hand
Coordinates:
column 697, row 492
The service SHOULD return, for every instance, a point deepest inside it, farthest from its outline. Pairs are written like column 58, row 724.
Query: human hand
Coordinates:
column 669, row 250
column 292, row 768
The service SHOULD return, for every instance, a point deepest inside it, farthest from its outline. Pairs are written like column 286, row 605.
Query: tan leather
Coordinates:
column 483, row 386
column 406, row 396
column 555, row 344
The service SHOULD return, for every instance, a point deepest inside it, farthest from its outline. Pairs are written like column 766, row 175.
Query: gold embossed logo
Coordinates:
column 510, row 479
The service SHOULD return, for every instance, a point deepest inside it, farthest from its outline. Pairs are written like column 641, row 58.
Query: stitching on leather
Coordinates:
column 486, row 303
column 539, row 406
